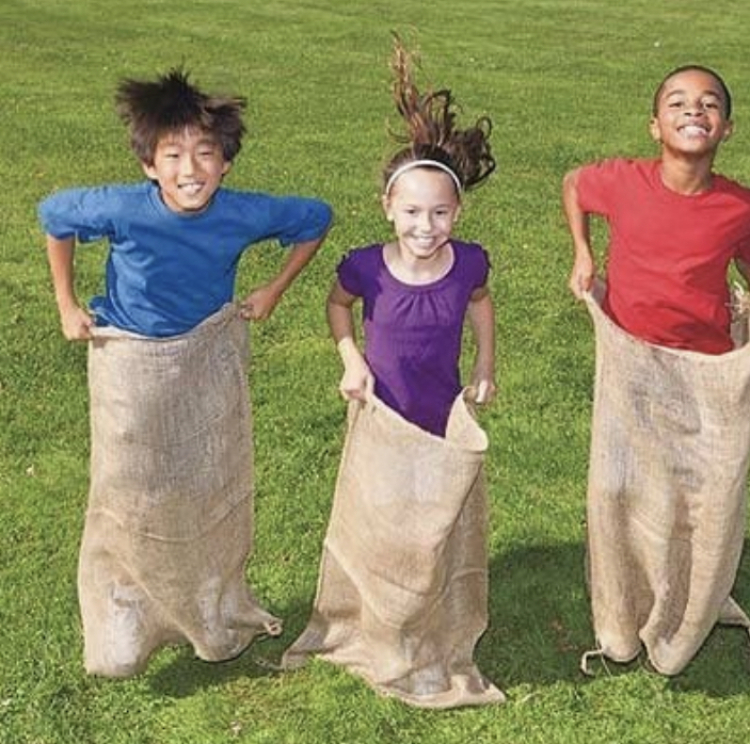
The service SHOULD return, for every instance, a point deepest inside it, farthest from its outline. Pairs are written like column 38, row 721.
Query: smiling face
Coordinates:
column 690, row 116
column 423, row 206
column 188, row 166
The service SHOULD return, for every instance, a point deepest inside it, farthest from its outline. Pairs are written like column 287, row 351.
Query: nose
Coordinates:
column 424, row 222
column 187, row 164
column 695, row 108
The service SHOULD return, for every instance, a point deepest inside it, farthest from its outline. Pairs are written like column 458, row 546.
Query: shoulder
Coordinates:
column 619, row 167
column 725, row 185
column 102, row 194
column 471, row 253
column 360, row 268
column 99, row 206
column 609, row 185
column 263, row 200
column 111, row 201
column 472, row 263
column 231, row 200
column 363, row 257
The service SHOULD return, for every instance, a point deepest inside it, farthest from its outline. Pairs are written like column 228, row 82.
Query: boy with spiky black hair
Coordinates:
column 169, row 523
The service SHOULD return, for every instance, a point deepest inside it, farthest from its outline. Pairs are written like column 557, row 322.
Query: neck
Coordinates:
column 687, row 176
column 417, row 271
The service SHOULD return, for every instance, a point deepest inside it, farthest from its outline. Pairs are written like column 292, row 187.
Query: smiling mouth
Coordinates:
column 191, row 189
column 693, row 131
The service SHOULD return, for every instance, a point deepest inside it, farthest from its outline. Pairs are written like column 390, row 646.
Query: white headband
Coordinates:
column 422, row 164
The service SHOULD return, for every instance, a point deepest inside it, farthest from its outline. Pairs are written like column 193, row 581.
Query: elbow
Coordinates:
column 570, row 181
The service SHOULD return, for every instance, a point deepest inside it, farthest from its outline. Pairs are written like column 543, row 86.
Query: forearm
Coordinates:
column 577, row 218
column 357, row 378
column 60, row 254
column 261, row 302
column 75, row 320
column 299, row 257
column 481, row 314
column 584, row 268
column 341, row 324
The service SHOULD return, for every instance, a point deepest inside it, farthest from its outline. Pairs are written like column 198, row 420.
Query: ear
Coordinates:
column 385, row 202
column 728, row 129
column 654, row 129
column 149, row 170
column 227, row 167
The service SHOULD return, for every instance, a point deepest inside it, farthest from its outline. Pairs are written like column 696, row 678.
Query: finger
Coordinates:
column 576, row 287
column 482, row 391
column 369, row 386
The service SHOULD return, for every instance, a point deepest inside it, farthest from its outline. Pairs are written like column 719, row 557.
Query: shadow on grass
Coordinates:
column 185, row 674
column 540, row 626
column 539, row 616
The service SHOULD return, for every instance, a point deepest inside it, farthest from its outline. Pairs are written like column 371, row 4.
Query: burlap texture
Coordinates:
column 666, row 497
column 169, row 524
column 402, row 590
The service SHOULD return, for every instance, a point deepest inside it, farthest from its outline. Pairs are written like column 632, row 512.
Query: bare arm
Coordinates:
column 482, row 321
column 584, row 269
column 76, row 321
column 260, row 303
column 357, row 378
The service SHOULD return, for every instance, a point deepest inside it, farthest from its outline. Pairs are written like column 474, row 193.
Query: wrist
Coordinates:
column 348, row 350
column 583, row 251
column 67, row 303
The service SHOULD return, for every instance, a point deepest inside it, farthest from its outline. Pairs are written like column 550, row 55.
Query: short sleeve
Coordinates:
column 295, row 219
column 483, row 268
column 80, row 213
column 349, row 274
column 596, row 183
column 474, row 264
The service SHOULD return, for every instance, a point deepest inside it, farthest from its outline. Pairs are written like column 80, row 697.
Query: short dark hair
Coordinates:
column 152, row 109
column 699, row 68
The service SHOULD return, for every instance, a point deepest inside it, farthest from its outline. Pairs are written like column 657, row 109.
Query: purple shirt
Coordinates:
column 413, row 332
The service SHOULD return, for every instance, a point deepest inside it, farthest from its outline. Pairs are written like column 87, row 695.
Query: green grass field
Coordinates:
column 565, row 82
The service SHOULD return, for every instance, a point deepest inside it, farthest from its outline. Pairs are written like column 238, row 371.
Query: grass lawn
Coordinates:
column 565, row 82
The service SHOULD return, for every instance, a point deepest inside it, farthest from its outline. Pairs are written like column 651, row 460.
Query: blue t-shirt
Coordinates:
column 168, row 271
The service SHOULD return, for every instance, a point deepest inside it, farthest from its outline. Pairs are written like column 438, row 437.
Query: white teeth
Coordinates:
column 693, row 131
column 190, row 188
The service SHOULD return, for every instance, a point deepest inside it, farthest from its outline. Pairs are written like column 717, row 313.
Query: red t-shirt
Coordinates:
column 668, row 253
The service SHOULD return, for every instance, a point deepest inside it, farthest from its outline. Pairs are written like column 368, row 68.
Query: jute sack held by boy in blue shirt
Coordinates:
column 169, row 523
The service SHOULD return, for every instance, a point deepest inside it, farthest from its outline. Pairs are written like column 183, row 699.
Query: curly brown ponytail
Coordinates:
column 431, row 130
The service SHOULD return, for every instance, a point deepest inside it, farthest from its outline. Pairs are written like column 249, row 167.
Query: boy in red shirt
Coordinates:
column 670, row 433
column 674, row 224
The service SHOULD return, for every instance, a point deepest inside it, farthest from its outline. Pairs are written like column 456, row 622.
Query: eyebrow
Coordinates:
column 682, row 92
column 176, row 142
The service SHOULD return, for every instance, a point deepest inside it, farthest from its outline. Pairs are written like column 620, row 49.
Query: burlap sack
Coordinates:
column 402, row 591
column 170, row 516
column 666, row 498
